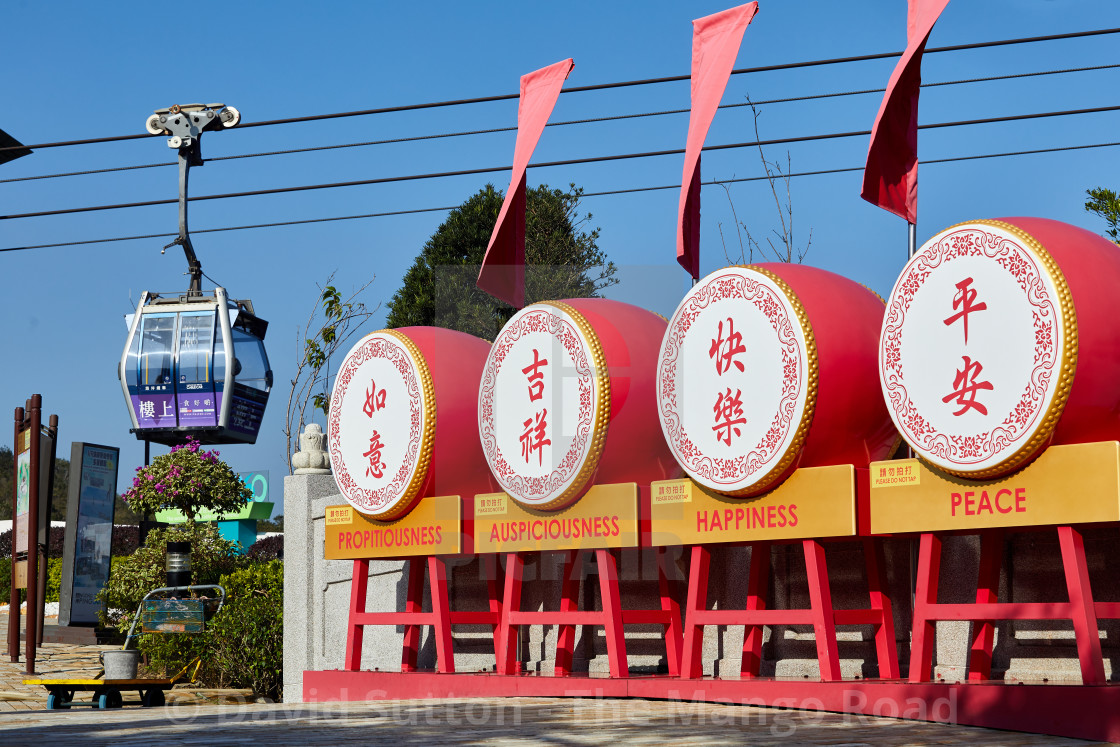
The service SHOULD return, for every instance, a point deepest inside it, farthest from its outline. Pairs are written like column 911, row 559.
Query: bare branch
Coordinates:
column 319, row 342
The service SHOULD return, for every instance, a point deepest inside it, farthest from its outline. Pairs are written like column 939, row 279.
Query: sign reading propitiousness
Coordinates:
column 978, row 349
column 543, row 405
column 736, row 381
column 432, row 528
column 382, row 418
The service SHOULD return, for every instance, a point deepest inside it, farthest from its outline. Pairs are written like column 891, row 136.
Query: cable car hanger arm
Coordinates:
column 185, row 125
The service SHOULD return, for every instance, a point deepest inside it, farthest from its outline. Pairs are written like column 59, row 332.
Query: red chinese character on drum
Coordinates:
column 544, row 392
column 380, row 410
column 734, row 379
column 973, row 348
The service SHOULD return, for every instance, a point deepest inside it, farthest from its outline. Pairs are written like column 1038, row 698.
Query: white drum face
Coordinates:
column 381, row 424
column 543, row 405
column 736, row 380
column 972, row 347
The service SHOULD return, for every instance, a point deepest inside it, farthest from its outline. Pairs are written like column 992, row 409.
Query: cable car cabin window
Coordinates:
column 251, row 368
column 155, row 385
column 252, row 379
column 198, row 404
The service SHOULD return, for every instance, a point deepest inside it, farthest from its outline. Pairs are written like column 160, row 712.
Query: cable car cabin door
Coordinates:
column 175, row 371
column 201, row 369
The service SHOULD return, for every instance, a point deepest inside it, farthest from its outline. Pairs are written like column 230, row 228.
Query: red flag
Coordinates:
column 715, row 44
column 503, row 268
column 890, row 178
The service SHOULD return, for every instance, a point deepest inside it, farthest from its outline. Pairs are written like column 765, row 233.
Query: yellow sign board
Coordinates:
column 605, row 517
column 813, row 502
column 432, row 528
column 340, row 515
column 1072, row 484
column 896, row 472
column 19, row 573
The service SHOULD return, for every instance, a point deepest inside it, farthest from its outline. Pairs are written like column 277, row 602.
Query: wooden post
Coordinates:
column 758, row 583
column 824, row 618
column 1083, row 612
column 987, row 592
column 33, row 609
column 354, row 629
column 696, row 601
column 13, row 607
column 925, row 594
column 413, row 605
column 441, row 613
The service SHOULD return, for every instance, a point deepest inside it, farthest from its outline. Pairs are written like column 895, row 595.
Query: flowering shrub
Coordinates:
column 189, row 479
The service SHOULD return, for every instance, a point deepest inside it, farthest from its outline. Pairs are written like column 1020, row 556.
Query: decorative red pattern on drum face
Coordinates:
column 455, row 361
column 392, row 401
column 738, row 321
column 409, row 387
column 632, row 449
column 558, row 344
column 1044, row 294
column 843, row 416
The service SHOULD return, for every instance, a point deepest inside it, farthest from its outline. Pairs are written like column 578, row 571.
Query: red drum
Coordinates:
column 1001, row 338
column 402, row 420
column 771, row 367
column 567, row 401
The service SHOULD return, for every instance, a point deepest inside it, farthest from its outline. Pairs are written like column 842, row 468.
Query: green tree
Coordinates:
column 1106, row 204
column 562, row 261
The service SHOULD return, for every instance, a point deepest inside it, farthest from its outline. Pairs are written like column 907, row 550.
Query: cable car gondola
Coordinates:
column 194, row 364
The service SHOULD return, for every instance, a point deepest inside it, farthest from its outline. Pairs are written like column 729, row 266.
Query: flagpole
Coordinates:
column 913, row 240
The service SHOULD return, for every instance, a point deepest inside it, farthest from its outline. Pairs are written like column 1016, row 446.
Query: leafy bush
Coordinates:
column 268, row 548
column 134, row 576
column 54, row 543
column 247, row 636
column 54, row 580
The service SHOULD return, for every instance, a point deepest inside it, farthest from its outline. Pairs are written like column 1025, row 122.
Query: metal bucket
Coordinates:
column 120, row 664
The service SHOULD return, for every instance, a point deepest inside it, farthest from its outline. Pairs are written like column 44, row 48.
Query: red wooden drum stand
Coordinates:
column 1081, row 609
column 820, row 614
column 413, row 618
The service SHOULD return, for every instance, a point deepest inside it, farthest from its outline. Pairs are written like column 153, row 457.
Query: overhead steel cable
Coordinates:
column 606, row 86
column 547, row 164
column 590, row 120
column 712, row 182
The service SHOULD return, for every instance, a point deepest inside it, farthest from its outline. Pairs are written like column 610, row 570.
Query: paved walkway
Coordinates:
column 52, row 660
column 509, row 722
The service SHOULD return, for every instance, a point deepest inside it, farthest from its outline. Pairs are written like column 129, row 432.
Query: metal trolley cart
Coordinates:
column 157, row 614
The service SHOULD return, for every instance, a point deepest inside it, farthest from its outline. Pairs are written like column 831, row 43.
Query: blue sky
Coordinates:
column 75, row 71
